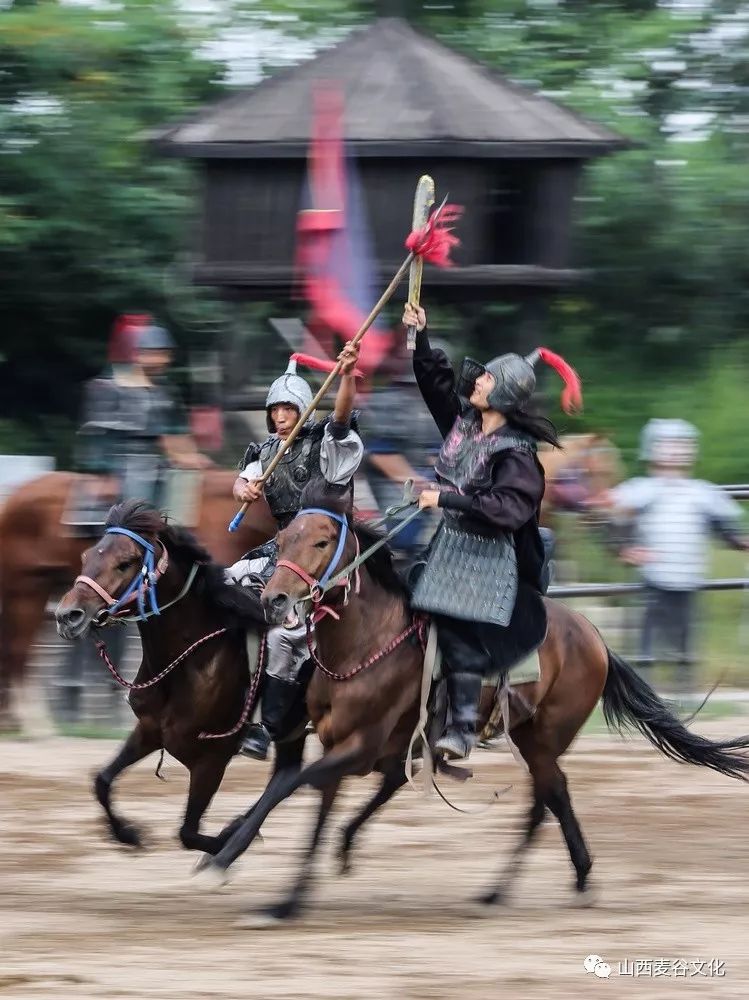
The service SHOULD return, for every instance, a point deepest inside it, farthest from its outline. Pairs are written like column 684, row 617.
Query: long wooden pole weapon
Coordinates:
column 423, row 201
column 376, row 310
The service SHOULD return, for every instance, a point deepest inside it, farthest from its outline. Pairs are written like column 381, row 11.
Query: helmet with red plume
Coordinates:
column 515, row 379
column 123, row 339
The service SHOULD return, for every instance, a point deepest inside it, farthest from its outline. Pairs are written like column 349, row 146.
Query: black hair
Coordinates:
column 538, row 427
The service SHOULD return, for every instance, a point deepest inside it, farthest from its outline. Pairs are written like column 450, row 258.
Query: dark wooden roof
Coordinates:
column 406, row 95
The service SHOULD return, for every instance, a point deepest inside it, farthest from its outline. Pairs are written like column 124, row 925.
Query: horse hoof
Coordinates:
column 344, row 862
column 129, row 835
column 585, row 897
column 495, row 897
column 267, row 918
column 209, row 875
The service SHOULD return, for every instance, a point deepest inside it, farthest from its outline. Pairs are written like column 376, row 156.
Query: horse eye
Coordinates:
column 322, row 545
column 123, row 566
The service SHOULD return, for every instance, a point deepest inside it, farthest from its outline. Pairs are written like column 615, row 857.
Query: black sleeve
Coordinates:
column 436, row 380
column 513, row 498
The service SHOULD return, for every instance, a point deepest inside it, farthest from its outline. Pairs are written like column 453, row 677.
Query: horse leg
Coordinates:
column 511, row 871
column 291, row 905
column 392, row 779
column 140, row 743
column 21, row 618
column 346, row 758
column 289, row 756
column 559, row 802
column 542, row 766
column 205, row 777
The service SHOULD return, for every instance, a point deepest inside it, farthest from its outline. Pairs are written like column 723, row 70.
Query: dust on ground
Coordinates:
column 82, row 917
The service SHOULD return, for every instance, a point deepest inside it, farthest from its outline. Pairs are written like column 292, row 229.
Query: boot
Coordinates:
column 459, row 738
column 278, row 698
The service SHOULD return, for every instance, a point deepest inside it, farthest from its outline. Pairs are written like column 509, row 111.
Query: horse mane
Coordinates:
column 237, row 605
column 338, row 499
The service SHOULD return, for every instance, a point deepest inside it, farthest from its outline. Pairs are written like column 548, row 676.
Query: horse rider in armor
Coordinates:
column 484, row 572
column 330, row 448
column 133, row 427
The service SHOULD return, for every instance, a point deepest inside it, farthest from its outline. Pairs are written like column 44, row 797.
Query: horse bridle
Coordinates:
column 318, row 587
column 143, row 584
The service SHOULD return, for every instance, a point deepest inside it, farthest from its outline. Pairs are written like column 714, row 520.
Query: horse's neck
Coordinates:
column 370, row 618
column 168, row 634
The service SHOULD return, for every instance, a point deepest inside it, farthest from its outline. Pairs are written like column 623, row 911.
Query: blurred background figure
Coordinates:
column 402, row 442
column 134, row 429
column 668, row 518
column 133, row 426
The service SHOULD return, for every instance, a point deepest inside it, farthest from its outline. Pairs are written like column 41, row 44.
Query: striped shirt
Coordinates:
column 673, row 520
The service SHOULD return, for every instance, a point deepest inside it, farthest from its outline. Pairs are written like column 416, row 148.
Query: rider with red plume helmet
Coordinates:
column 484, row 573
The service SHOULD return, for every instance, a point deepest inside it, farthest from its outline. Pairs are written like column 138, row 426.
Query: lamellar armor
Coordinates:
column 283, row 489
column 470, row 575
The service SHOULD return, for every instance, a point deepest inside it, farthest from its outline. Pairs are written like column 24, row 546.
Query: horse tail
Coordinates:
column 630, row 703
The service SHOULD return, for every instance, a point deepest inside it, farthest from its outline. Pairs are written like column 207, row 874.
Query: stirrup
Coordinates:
column 454, row 744
column 256, row 742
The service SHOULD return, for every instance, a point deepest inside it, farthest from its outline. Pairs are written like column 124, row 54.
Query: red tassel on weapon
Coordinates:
column 434, row 241
column 319, row 364
column 572, row 395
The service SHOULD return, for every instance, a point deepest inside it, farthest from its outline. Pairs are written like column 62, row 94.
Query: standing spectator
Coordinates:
column 669, row 518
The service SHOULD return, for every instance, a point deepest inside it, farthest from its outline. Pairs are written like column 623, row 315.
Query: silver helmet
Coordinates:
column 288, row 388
column 669, row 442
column 515, row 379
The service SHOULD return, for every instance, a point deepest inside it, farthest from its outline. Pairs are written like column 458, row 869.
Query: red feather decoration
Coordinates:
column 318, row 364
column 572, row 395
column 434, row 241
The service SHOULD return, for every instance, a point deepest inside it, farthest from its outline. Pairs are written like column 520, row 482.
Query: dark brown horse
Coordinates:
column 205, row 692
column 38, row 556
column 365, row 717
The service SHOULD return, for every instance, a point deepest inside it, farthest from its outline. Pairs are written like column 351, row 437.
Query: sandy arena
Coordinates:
column 81, row 917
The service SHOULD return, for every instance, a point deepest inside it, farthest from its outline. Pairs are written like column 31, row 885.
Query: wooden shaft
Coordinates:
column 287, row 443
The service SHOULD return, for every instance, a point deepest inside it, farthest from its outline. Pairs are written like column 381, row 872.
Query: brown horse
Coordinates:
column 365, row 706
column 206, row 691
column 38, row 556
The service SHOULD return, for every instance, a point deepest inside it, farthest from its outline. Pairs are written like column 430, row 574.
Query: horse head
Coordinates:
column 310, row 550
column 121, row 568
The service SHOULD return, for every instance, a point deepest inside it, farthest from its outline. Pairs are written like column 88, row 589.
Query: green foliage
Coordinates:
column 92, row 222
column 89, row 217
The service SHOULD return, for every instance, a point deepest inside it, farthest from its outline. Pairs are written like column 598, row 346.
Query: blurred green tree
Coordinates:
column 91, row 223
column 89, row 218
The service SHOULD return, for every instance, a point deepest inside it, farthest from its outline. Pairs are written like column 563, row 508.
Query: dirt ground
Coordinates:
column 81, row 917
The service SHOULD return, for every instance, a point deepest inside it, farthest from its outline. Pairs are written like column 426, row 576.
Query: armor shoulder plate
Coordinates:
column 354, row 422
column 252, row 454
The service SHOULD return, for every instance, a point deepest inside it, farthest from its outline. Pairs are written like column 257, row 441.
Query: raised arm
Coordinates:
column 344, row 400
column 434, row 374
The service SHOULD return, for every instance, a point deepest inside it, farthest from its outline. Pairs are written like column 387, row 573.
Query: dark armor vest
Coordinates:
column 283, row 490
column 469, row 575
column 467, row 455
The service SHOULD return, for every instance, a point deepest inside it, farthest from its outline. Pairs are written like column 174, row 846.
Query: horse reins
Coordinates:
column 143, row 585
column 343, row 578
column 418, row 625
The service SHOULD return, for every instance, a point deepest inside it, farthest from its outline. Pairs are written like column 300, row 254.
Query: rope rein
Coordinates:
column 102, row 651
column 250, row 700
column 252, row 691
column 418, row 625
